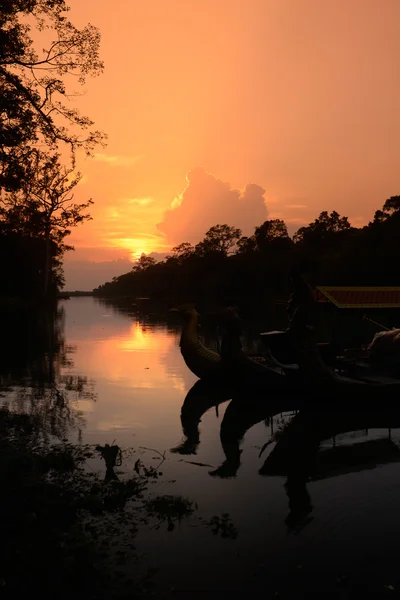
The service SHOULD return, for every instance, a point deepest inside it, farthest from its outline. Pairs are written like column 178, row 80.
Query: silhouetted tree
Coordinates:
column 270, row 231
column 247, row 245
column 43, row 207
column 33, row 106
column 219, row 238
column 182, row 251
column 378, row 245
column 391, row 208
column 143, row 263
column 322, row 229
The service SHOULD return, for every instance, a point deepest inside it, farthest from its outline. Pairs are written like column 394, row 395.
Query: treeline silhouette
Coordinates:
column 227, row 267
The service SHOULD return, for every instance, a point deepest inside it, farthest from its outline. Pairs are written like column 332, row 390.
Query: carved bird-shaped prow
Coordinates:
column 202, row 361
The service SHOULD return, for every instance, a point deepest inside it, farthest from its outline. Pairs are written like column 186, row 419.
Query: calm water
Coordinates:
column 125, row 380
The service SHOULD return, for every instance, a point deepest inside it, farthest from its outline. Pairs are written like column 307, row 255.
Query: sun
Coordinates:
column 136, row 247
column 135, row 254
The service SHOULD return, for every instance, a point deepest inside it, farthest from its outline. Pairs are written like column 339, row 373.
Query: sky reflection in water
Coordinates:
column 140, row 382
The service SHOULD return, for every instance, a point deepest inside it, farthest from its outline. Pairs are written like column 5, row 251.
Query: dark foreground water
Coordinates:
column 322, row 514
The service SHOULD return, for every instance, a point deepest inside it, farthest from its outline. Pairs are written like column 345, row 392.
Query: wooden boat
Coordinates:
column 202, row 361
column 315, row 377
column 232, row 364
column 357, row 363
column 309, row 376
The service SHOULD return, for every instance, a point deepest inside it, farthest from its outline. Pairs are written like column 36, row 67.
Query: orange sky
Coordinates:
column 298, row 97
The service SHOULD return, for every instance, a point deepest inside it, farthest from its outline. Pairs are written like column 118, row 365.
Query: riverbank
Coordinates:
column 64, row 529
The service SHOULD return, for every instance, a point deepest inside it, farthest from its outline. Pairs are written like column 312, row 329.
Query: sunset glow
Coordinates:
column 136, row 359
column 136, row 246
column 298, row 98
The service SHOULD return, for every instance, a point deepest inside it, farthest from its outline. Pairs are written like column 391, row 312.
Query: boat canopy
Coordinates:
column 358, row 297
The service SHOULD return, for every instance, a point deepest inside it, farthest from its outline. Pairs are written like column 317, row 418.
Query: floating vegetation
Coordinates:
column 170, row 509
column 222, row 526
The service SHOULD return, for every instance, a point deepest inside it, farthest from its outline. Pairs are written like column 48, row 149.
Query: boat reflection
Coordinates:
column 298, row 447
column 202, row 396
column 241, row 414
column 298, row 454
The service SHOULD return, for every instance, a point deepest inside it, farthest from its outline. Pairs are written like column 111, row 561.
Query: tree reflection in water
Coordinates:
column 32, row 359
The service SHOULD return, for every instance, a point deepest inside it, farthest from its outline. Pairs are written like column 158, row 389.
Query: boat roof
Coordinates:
column 359, row 297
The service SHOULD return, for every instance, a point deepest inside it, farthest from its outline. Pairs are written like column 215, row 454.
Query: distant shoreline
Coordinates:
column 75, row 293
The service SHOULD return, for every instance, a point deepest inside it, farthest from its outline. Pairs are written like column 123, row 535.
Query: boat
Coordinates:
column 232, row 364
column 202, row 361
column 313, row 374
column 319, row 379
column 309, row 376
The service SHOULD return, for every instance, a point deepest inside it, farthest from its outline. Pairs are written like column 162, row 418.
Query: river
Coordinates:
column 125, row 383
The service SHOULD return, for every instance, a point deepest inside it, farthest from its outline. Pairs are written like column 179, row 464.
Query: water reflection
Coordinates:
column 117, row 376
column 241, row 414
column 200, row 398
column 297, row 449
column 130, row 353
column 299, row 456
column 34, row 356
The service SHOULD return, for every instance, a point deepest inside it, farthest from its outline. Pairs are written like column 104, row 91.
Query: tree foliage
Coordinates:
column 182, row 252
column 391, row 208
column 41, row 52
column 266, row 238
column 219, row 238
column 143, row 263
column 34, row 100
column 323, row 228
column 43, row 208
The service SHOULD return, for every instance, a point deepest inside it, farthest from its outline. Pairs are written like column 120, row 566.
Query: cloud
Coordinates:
column 208, row 201
column 140, row 201
column 116, row 160
column 300, row 206
column 123, row 210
